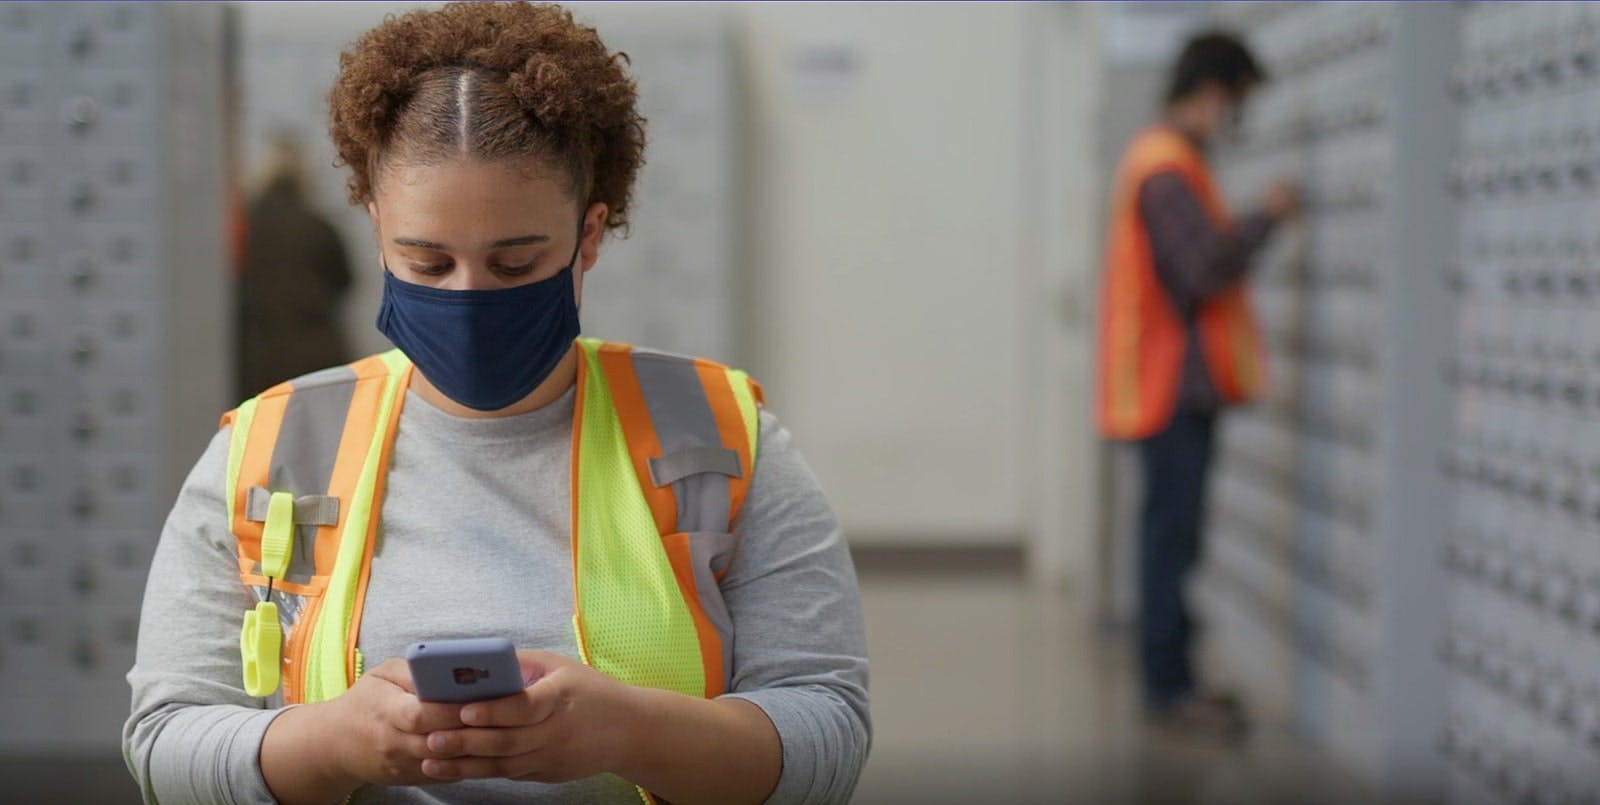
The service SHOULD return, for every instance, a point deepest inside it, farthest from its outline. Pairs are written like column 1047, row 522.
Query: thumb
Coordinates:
column 394, row 671
column 534, row 665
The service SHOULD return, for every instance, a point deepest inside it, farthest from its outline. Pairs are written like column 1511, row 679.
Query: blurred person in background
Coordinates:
column 1178, row 344
column 686, row 613
column 295, row 278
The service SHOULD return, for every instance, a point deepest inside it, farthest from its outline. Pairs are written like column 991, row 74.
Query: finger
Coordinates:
column 535, row 664
column 417, row 746
column 420, row 718
column 533, row 705
column 485, row 742
column 475, row 768
column 394, row 670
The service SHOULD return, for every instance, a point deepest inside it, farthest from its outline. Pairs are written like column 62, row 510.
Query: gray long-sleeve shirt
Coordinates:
column 474, row 542
column 1194, row 260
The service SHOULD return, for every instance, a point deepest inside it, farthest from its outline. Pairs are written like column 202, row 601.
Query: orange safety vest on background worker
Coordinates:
column 663, row 449
column 1143, row 338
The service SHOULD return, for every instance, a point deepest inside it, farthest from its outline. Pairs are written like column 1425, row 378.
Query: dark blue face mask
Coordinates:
column 485, row 349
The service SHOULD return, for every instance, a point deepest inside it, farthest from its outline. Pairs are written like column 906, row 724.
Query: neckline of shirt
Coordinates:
column 423, row 417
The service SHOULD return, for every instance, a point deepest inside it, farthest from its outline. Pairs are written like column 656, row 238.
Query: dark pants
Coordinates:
column 1175, row 464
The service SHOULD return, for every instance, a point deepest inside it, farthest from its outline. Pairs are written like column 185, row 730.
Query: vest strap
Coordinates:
column 308, row 509
column 680, row 464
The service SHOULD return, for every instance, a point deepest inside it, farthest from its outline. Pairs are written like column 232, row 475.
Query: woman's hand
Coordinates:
column 388, row 726
column 375, row 732
column 570, row 723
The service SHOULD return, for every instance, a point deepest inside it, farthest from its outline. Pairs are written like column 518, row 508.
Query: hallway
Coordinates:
column 985, row 690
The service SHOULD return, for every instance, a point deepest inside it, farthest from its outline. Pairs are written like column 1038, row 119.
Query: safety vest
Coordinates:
column 662, row 452
column 1143, row 340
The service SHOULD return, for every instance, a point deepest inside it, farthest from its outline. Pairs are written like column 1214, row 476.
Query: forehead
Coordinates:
column 467, row 188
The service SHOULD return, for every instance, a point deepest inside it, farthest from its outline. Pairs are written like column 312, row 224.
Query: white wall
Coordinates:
column 887, row 291
column 912, row 204
column 1065, row 79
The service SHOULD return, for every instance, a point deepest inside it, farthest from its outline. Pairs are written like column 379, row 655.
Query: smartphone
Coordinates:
column 469, row 670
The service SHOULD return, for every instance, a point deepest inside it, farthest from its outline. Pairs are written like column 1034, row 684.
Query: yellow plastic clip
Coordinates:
column 261, row 646
column 277, row 535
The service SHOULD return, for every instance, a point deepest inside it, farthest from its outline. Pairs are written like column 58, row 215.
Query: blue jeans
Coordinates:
column 1175, row 463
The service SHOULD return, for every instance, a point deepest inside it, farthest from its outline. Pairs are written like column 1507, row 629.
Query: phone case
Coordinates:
column 469, row 670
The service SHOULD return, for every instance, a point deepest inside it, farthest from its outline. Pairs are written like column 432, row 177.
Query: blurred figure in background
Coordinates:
column 295, row 276
column 1177, row 345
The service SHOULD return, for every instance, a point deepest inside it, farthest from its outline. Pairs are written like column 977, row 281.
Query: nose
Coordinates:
column 469, row 276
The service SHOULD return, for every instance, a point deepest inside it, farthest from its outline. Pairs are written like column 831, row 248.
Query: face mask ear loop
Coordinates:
column 572, row 264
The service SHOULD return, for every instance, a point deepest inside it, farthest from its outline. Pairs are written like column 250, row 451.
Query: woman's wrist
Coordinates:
column 303, row 754
column 335, row 740
column 668, row 743
column 635, row 730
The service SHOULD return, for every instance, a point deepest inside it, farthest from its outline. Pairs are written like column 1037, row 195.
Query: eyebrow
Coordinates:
column 520, row 240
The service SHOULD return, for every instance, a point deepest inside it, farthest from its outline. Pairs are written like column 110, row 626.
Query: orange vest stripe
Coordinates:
column 1143, row 338
column 616, row 360
column 257, row 463
column 359, row 424
column 730, row 428
column 680, row 555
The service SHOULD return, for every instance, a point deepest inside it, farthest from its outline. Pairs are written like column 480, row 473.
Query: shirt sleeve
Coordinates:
column 1194, row 258
column 193, row 734
column 800, row 649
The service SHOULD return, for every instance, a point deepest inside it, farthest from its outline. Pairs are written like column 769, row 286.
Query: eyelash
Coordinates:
column 441, row 269
column 514, row 271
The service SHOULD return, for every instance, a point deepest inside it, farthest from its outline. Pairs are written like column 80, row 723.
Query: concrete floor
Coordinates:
column 983, row 691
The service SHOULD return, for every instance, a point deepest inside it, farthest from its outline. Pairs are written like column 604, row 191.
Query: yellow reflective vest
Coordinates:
column 663, row 448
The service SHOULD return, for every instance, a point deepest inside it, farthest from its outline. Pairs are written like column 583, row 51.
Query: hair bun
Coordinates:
column 547, row 91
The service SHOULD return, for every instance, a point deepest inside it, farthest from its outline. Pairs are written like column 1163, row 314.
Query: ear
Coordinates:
column 594, row 228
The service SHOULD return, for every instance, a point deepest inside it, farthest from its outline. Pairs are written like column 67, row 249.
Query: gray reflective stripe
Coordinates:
column 323, row 377
column 683, row 420
column 308, row 509
column 709, row 553
column 691, row 460
column 308, row 443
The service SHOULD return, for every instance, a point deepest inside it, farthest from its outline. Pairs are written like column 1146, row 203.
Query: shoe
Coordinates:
column 1201, row 715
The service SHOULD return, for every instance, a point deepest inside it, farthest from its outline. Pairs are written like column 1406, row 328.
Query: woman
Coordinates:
column 687, row 614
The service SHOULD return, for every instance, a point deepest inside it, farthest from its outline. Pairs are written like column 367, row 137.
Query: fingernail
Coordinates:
column 469, row 714
column 430, row 768
column 436, row 742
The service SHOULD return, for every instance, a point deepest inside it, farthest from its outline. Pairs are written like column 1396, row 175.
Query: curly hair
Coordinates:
column 493, row 81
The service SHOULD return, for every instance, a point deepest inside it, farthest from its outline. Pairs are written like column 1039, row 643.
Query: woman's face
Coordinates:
column 474, row 225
